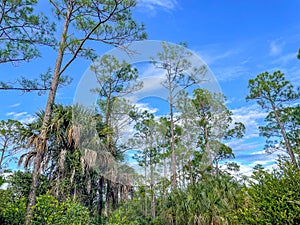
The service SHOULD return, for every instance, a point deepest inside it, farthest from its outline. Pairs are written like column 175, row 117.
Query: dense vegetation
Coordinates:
column 75, row 160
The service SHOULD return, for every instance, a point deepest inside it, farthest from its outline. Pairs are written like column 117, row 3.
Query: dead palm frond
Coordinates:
column 89, row 158
column 74, row 134
column 27, row 159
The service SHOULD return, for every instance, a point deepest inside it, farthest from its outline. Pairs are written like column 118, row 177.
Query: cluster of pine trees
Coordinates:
column 74, row 158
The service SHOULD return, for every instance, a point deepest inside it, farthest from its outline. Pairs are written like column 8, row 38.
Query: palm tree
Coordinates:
column 63, row 157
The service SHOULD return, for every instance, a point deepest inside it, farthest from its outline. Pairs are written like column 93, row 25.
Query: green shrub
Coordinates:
column 48, row 211
column 12, row 208
column 272, row 197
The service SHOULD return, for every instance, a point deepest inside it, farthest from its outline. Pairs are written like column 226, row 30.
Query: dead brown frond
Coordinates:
column 90, row 157
column 37, row 142
column 61, row 161
column 72, row 176
column 89, row 185
column 27, row 159
column 74, row 134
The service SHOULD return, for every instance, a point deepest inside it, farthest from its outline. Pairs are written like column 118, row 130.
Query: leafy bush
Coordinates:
column 12, row 208
column 272, row 198
column 48, row 211
column 131, row 213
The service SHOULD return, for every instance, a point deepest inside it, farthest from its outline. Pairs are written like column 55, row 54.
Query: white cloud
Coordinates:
column 267, row 162
column 27, row 119
column 152, row 79
column 275, row 48
column 20, row 114
column 245, row 170
column 240, row 145
column 263, row 152
column 153, row 4
column 226, row 73
column 10, row 114
column 14, row 105
column 210, row 57
column 251, row 117
column 285, row 59
column 146, row 107
column 23, row 117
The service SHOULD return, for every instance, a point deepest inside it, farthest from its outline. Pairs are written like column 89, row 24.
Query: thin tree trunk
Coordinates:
column 286, row 140
column 61, row 169
column 2, row 153
column 107, row 198
column 145, row 170
column 115, row 195
column 152, row 190
column 207, row 149
column 173, row 154
column 35, row 181
column 191, row 174
column 165, row 175
column 100, row 197
column 47, row 117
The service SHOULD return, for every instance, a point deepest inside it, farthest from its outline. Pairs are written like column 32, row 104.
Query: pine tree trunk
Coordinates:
column 2, row 153
column 35, row 181
column 152, row 191
column 285, row 138
column 173, row 154
column 46, row 120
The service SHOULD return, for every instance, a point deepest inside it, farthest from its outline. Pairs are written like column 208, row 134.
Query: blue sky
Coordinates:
column 236, row 39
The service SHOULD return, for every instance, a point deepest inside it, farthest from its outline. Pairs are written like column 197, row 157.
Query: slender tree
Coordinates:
column 82, row 21
column 174, row 61
column 215, row 124
column 273, row 93
column 116, row 80
column 148, row 153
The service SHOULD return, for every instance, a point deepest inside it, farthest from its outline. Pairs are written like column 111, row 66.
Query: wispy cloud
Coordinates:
column 153, row 5
column 17, row 115
column 276, row 48
column 226, row 64
column 240, row 145
column 10, row 113
column 248, row 161
column 23, row 117
column 229, row 73
column 210, row 57
column 268, row 160
column 14, row 105
column 263, row 152
column 284, row 59
column 152, row 79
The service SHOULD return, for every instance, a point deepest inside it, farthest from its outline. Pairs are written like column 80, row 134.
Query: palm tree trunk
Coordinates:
column 100, row 197
column 115, row 194
column 107, row 198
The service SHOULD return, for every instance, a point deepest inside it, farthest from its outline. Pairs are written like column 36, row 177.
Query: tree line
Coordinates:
column 74, row 156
